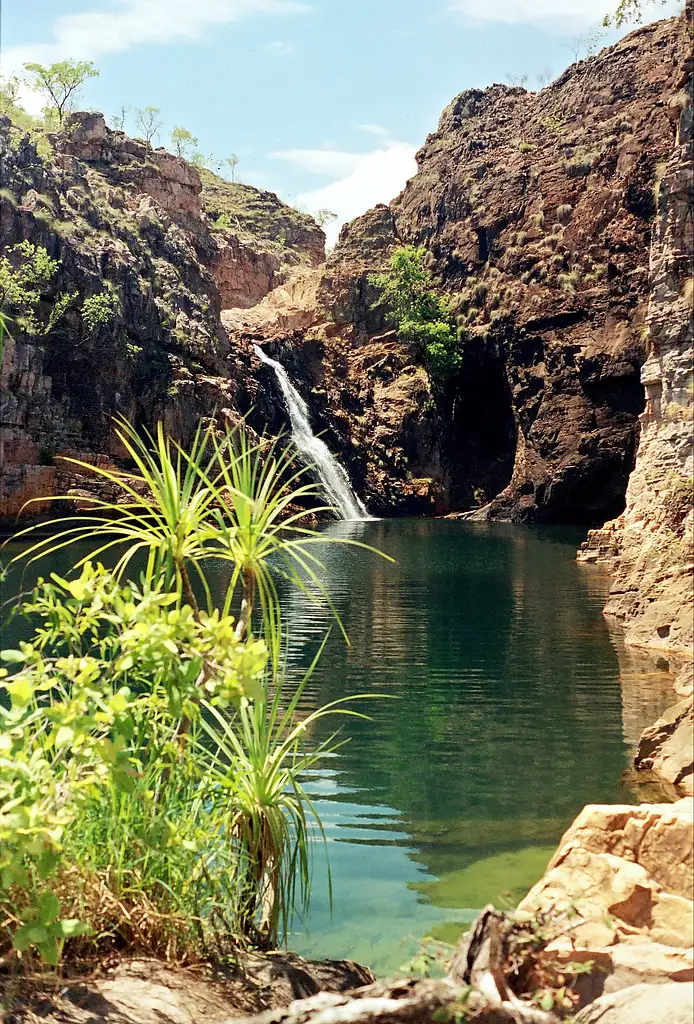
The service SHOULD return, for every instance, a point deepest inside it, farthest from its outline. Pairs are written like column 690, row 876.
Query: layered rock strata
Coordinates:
column 649, row 548
column 536, row 212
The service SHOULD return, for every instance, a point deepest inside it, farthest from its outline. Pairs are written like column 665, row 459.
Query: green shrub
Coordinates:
column 525, row 147
column 418, row 313
column 564, row 213
column 150, row 762
column 569, row 281
column 100, row 310
column 579, row 166
column 26, row 276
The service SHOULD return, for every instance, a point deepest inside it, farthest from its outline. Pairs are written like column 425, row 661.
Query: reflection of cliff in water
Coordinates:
column 508, row 710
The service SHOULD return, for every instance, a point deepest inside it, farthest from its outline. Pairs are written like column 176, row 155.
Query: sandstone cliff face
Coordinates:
column 536, row 211
column 116, row 214
column 649, row 548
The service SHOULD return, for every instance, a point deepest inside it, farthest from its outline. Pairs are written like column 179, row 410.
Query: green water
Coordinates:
column 508, row 719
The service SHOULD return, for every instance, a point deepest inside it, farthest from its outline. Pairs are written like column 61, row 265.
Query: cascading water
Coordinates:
column 314, row 451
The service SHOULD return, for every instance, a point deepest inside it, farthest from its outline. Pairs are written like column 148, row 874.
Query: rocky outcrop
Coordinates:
column 536, row 211
column 150, row 992
column 667, row 748
column 607, row 928
column 623, row 877
column 649, row 548
column 118, row 215
column 642, row 1004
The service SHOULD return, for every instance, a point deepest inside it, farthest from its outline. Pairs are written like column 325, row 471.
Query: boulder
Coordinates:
column 623, row 877
column 642, row 1004
column 667, row 748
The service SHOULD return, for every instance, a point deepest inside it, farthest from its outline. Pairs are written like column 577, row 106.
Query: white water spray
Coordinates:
column 314, row 451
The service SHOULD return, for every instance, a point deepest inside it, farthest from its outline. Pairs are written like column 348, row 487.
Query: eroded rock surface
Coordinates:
column 117, row 214
column 536, row 212
column 149, row 992
column 642, row 1004
column 624, row 876
column 650, row 547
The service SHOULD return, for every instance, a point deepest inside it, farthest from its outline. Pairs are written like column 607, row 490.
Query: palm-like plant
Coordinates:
column 260, row 756
column 241, row 502
column 233, row 500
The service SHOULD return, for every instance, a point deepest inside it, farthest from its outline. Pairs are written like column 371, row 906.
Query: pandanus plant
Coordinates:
column 237, row 501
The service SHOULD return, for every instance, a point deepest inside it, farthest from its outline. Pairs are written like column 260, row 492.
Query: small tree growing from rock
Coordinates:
column 182, row 141
column 59, row 83
column 149, row 122
column 419, row 315
column 323, row 217
column 232, row 163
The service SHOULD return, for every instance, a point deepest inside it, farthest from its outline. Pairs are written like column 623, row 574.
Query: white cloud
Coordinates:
column 568, row 14
column 374, row 129
column 279, row 48
column 129, row 23
column 375, row 177
column 318, row 161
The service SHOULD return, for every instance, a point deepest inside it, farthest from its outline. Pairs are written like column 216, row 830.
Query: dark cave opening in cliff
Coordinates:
column 481, row 439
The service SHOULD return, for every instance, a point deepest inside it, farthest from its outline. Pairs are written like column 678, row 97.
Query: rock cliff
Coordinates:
column 536, row 210
column 118, row 215
column 649, row 548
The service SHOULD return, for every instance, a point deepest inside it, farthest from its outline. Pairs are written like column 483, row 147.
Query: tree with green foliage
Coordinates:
column 182, row 141
column 627, row 11
column 100, row 310
column 9, row 94
column 419, row 314
column 232, row 163
column 10, row 106
column 26, row 276
column 118, row 120
column 205, row 162
column 150, row 123
column 60, row 82
column 324, row 216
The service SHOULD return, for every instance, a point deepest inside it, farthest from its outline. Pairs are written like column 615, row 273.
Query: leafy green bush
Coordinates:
column 418, row 313
column 150, row 792
column 100, row 310
column 26, row 276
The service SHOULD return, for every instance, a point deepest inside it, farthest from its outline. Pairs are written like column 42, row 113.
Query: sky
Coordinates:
column 323, row 101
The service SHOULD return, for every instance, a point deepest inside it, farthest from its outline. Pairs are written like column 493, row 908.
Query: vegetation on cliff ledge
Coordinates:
column 419, row 314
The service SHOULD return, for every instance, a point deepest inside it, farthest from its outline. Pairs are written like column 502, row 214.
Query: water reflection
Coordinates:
column 508, row 718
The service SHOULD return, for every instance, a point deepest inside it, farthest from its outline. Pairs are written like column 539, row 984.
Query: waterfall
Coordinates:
column 314, row 451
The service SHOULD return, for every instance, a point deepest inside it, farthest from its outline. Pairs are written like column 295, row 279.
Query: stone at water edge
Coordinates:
column 667, row 747
column 643, row 1004
column 627, row 872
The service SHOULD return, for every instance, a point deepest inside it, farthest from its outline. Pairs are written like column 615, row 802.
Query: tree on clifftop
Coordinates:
column 149, row 122
column 183, row 141
column 323, row 217
column 232, row 162
column 628, row 10
column 59, row 83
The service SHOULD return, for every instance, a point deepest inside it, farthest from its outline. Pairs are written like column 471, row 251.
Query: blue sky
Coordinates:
column 323, row 101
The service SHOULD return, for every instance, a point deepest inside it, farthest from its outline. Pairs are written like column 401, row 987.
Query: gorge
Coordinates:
column 558, row 226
